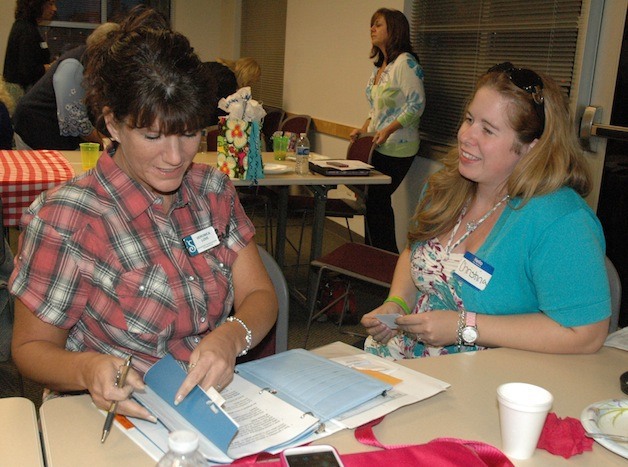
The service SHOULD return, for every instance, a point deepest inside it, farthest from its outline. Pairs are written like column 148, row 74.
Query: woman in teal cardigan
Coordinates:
column 503, row 250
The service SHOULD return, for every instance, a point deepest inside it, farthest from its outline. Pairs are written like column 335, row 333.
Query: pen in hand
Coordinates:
column 111, row 413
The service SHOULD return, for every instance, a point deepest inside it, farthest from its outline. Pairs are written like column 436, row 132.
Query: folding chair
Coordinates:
column 354, row 260
column 277, row 339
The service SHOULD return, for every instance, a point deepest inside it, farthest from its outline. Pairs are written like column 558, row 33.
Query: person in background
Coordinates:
column 6, row 109
column 106, row 265
column 396, row 97
column 246, row 70
column 230, row 76
column 503, row 251
column 52, row 114
column 27, row 56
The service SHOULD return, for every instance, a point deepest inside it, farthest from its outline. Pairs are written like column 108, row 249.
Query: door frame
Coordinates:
column 595, row 73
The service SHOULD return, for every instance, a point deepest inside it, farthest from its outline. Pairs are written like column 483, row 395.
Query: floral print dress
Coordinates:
column 431, row 266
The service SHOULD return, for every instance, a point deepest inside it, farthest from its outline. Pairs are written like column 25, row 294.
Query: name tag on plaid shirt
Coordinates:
column 201, row 241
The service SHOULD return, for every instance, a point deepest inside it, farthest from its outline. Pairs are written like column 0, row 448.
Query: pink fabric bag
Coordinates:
column 441, row 452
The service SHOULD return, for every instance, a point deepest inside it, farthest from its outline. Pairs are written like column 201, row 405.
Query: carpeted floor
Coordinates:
column 321, row 332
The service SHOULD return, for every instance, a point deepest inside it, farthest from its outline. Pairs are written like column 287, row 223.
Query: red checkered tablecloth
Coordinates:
column 24, row 175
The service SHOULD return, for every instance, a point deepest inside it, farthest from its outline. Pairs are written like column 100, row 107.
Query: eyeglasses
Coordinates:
column 526, row 80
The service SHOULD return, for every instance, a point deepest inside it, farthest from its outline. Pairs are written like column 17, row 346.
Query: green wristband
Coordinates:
column 399, row 301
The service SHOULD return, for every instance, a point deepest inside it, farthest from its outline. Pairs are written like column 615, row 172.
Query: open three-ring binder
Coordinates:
column 272, row 403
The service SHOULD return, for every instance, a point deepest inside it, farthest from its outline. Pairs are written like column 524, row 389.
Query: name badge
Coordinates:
column 201, row 241
column 474, row 271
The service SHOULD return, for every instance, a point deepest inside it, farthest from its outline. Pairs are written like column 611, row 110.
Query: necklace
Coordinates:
column 471, row 225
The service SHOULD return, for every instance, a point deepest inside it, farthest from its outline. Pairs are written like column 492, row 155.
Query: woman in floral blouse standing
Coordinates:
column 397, row 99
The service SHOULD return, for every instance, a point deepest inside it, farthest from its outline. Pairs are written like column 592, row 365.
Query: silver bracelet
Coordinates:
column 461, row 323
column 248, row 337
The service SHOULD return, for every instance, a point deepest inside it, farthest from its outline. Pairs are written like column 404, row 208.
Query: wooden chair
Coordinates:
column 212, row 138
column 296, row 124
column 272, row 120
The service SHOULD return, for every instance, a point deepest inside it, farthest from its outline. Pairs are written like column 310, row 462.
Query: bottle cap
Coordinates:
column 183, row 441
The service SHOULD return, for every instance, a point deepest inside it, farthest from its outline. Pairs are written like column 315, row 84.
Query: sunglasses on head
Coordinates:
column 526, row 80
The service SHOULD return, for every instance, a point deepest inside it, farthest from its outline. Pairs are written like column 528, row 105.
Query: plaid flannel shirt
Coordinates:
column 100, row 258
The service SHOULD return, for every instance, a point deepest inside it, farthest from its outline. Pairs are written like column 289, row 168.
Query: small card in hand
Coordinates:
column 389, row 320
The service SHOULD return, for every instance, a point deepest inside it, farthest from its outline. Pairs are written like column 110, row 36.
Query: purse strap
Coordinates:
column 487, row 453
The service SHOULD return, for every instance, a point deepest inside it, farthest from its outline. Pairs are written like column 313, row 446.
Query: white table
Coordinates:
column 467, row 410
column 19, row 433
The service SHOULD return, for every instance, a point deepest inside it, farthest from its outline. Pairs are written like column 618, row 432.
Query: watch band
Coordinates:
column 470, row 319
column 470, row 331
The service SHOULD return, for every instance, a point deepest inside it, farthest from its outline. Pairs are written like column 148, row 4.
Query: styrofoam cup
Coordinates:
column 522, row 411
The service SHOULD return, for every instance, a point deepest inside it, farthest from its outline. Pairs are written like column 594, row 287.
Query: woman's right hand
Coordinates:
column 355, row 134
column 375, row 328
column 100, row 372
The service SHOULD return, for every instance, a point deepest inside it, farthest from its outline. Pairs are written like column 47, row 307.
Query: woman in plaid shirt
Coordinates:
column 107, row 267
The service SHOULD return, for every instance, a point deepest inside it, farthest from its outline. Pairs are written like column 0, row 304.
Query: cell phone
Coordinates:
column 321, row 455
column 337, row 164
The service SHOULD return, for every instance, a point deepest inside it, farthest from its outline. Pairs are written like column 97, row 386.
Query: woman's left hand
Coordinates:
column 436, row 328
column 211, row 363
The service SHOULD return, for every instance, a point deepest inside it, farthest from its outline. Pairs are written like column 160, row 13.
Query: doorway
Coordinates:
column 613, row 202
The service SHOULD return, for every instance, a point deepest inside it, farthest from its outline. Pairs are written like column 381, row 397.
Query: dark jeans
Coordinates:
column 380, row 218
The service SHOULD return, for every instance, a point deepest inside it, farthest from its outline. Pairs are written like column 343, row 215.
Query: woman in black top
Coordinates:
column 27, row 55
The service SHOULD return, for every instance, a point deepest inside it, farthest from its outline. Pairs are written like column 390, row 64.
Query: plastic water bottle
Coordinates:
column 183, row 451
column 202, row 145
column 303, row 155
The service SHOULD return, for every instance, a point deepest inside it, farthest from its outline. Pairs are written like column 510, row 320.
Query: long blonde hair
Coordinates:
column 246, row 70
column 5, row 97
column 556, row 160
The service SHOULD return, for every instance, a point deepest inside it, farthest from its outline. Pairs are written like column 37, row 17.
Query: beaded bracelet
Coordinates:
column 399, row 301
column 461, row 323
column 248, row 337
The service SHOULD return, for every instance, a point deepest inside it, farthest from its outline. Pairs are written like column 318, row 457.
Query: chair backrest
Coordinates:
column 283, row 297
column 615, row 286
column 277, row 339
column 212, row 138
column 361, row 149
column 272, row 120
column 296, row 124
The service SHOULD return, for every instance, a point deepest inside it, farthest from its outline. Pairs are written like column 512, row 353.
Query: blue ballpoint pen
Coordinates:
column 111, row 413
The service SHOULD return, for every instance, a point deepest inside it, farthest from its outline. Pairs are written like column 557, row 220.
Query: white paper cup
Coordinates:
column 522, row 411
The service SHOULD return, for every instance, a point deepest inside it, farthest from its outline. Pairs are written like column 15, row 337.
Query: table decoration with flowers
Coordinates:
column 238, row 143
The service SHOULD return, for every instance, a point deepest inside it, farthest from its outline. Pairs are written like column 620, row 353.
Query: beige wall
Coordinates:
column 212, row 26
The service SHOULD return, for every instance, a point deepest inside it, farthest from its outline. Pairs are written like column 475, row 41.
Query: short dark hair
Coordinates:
column 30, row 10
column 149, row 74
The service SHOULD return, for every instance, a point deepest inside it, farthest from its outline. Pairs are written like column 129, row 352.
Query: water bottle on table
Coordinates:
column 302, row 155
column 183, row 451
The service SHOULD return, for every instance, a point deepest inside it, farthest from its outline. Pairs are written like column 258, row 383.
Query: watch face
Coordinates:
column 469, row 335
